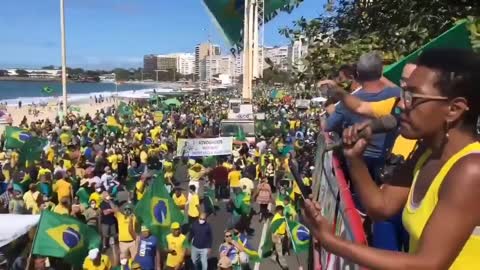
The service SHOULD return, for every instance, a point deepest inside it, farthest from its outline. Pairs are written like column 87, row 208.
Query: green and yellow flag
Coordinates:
column 125, row 110
column 113, row 125
column 32, row 150
column 299, row 236
column 16, row 137
column 267, row 247
column 157, row 211
column 47, row 90
column 65, row 237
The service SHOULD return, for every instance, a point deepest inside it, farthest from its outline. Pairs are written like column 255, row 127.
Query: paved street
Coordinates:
column 220, row 221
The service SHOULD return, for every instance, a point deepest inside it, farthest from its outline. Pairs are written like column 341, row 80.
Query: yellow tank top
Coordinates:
column 416, row 217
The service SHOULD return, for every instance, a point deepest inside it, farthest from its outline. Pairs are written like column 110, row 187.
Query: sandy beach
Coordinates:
column 51, row 111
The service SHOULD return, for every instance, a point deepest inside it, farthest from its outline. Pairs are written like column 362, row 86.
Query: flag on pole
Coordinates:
column 113, row 125
column 47, row 90
column 65, row 237
column 32, row 150
column 267, row 247
column 157, row 211
column 299, row 236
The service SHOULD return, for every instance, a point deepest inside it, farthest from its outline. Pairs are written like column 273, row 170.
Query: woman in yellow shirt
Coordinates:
column 438, row 187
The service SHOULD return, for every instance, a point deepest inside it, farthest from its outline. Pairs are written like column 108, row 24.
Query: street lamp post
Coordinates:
column 64, row 56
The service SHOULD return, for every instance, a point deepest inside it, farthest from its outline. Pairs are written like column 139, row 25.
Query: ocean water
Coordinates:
column 31, row 92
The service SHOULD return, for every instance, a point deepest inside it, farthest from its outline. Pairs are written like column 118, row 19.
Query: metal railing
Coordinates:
column 330, row 188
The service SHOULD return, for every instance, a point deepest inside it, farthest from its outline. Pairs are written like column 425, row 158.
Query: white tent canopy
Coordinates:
column 13, row 226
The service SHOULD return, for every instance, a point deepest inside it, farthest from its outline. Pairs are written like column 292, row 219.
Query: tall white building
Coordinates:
column 185, row 63
column 278, row 56
column 217, row 64
column 203, row 51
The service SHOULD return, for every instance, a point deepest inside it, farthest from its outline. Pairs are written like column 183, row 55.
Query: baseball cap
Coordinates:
column 175, row 226
column 93, row 253
column 144, row 228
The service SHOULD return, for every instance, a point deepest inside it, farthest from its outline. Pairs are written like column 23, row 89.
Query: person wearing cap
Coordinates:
column 148, row 255
column 176, row 248
column 179, row 198
column 96, row 261
column 92, row 215
column 126, row 228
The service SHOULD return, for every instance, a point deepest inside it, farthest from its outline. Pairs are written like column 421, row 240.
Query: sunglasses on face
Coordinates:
column 409, row 98
column 228, row 235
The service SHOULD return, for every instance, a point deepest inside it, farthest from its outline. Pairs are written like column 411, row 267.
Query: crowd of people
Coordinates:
column 97, row 167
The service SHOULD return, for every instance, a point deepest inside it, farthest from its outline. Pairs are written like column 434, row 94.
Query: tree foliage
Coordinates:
column 349, row 28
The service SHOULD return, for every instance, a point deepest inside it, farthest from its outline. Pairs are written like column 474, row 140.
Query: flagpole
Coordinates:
column 64, row 56
column 33, row 243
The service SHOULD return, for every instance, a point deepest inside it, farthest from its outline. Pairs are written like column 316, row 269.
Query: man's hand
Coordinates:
column 319, row 226
column 354, row 144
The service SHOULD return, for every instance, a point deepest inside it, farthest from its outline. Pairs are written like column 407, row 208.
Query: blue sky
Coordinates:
column 114, row 33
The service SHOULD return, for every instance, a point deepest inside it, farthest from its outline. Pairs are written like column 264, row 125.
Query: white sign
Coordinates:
column 204, row 147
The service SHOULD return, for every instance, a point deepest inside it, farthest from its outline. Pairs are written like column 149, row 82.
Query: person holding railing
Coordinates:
column 438, row 186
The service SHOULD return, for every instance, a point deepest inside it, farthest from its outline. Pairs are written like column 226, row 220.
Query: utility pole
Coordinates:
column 64, row 56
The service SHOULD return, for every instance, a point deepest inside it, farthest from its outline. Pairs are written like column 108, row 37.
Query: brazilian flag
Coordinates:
column 113, row 125
column 32, row 150
column 157, row 211
column 267, row 247
column 299, row 235
column 125, row 110
column 209, row 200
column 65, row 237
column 16, row 137
column 47, row 90
column 83, row 196
column 252, row 254
column 240, row 135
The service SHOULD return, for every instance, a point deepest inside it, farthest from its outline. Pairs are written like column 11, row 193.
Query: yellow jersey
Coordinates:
column 104, row 264
column 178, row 244
column 415, row 219
column 180, row 201
column 234, row 178
column 123, row 221
column 193, row 206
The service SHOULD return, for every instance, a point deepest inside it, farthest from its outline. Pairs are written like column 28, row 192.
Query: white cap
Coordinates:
column 93, row 253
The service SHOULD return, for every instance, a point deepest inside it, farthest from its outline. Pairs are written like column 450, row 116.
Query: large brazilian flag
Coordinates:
column 157, row 211
column 16, row 137
column 229, row 16
column 299, row 235
column 65, row 237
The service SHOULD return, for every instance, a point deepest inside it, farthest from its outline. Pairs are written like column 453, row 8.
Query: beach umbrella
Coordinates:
column 172, row 102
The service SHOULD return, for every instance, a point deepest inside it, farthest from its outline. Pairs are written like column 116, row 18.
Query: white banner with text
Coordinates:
column 204, row 147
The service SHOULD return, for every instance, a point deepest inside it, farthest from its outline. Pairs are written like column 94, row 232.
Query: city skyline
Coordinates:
column 111, row 33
